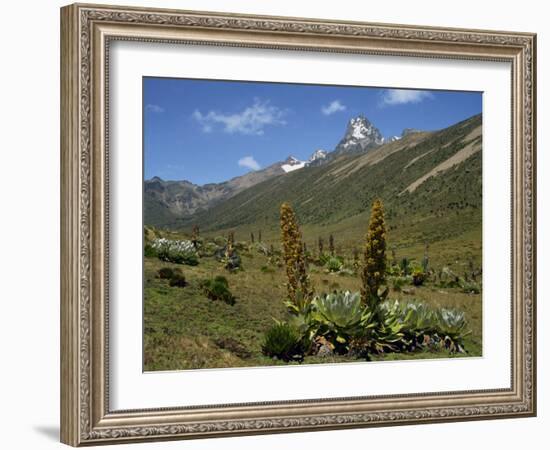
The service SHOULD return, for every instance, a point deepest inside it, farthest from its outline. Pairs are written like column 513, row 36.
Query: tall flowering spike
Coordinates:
column 293, row 255
column 195, row 235
column 374, row 264
column 230, row 244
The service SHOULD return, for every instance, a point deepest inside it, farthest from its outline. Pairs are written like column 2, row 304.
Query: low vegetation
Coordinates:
column 218, row 289
column 252, row 302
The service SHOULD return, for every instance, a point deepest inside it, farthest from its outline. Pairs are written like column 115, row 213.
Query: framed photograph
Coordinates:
column 280, row 224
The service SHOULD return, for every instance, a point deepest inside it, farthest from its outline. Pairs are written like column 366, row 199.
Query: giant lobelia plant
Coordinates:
column 299, row 290
column 374, row 263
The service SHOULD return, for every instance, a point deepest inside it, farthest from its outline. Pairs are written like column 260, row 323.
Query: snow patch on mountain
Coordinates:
column 291, row 164
column 392, row 139
column 318, row 155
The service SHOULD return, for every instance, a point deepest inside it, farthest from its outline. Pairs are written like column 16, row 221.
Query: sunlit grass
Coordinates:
column 185, row 330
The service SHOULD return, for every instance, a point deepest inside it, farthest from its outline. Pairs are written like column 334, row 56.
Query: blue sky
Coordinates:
column 209, row 131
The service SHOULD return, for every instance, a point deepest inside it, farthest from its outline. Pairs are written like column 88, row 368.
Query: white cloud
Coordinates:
column 249, row 162
column 402, row 96
column 333, row 107
column 154, row 108
column 251, row 120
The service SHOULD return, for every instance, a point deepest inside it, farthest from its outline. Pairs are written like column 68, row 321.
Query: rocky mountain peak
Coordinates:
column 361, row 135
column 318, row 155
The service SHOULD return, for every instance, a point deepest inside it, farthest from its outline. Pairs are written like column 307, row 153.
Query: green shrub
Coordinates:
column 220, row 241
column 339, row 317
column 386, row 330
column 398, row 282
column 340, row 309
column 167, row 272
column 218, row 289
column 452, row 326
column 420, row 322
column 417, row 318
column 221, row 280
column 208, row 249
column 334, row 264
column 187, row 259
column 283, row 341
column 405, row 266
column 324, row 258
column 149, row 251
column 470, row 287
column 448, row 279
column 177, row 280
column 178, row 252
column 393, row 271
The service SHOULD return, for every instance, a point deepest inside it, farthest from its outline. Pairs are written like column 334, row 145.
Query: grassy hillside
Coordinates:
column 183, row 329
column 336, row 197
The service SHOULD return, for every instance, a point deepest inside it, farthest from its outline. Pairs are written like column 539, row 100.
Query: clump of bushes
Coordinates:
column 177, row 281
column 345, row 325
column 220, row 241
column 446, row 278
column 208, row 249
column 470, row 287
column 175, row 276
column 218, row 289
column 334, row 264
column 149, row 251
column 178, row 252
column 165, row 273
column 283, row 341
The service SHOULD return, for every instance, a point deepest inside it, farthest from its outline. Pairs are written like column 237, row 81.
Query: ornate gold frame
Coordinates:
column 86, row 31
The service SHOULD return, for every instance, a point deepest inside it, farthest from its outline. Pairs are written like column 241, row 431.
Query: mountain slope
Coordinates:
column 166, row 201
column 422, row 175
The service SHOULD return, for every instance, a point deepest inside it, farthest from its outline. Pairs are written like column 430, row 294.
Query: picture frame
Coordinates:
column 87, row 32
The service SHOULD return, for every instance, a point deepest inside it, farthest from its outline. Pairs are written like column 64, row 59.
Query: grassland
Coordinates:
column 183, row 329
